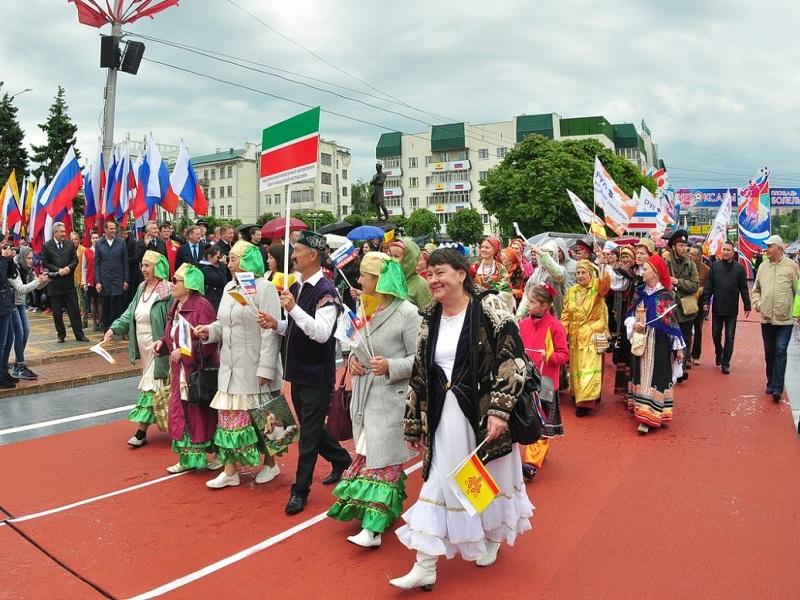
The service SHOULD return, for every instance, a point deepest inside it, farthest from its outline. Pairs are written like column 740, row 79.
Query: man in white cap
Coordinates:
column 773, row 297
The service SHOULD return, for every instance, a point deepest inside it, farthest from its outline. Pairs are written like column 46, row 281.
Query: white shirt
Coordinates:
column 318, row 328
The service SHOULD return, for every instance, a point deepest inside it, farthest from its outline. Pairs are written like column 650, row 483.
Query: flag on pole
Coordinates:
column 10, row 198
column 719, row 228
column 290, row 150
column 126, row 184
column 154, row 187
column 647, row 210
column 344, row 254
column 185, row 185
column 617, row 206
column 586, row 215
column 37, row 219
column 388, row 237
column 64, row 187
column 472, row 484
column 93, row 186
column 346, row 330
column 184, row 336
column 369, row 305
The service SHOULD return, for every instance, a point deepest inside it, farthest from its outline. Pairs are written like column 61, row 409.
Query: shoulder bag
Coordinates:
column 527, row 420
column 339, row 422
column 202, row 381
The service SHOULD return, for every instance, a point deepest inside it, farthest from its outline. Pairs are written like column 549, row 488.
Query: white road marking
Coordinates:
column 54, row 422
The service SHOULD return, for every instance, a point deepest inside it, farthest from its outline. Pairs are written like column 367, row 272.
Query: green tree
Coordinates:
column 530, row 185
column 60, row 132
column 466, row 226
column 325, row 217
column 360, row 198
column 421, row 222
column 13, row 155
column 354, row 219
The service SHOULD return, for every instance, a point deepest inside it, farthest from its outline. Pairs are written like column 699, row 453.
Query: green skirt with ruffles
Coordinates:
column 236, row 439
column 192, row 456
column 373, row 496
column 143, row 411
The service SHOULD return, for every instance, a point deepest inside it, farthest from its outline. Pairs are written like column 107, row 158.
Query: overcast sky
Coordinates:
column 715, row 80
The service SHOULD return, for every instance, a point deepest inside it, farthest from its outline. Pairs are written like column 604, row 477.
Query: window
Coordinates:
column 230, row 210
column 325, row 159
column 413, row 182
column 230, row 171
column 428, row 160
column 230, row 191
column 392, row 162
column 483, row 153
column 344, row 192
column 267, row 199
column 414, row 202
column 501, row 152
column 325, row 197
column 392, row 182
column 213, row 192
column 445, row 157
column 326, row 178
column 394, row 202
column 344, row 210
column 222, row 176
column 205, row 174
column 213, row 174
column 485, row 218
column 344, row 174
column 412, row 162
column 222, row 191
column 483, row 175
column 429, row 180
column 213, row 211
column 277, row 198
column 463, row 154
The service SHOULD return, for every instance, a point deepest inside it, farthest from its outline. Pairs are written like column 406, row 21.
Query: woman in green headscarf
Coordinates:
column 372, row 490
column 250, row 366
column 144, row 321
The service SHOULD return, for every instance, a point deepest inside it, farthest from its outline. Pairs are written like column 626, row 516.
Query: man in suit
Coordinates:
column 192, row 250
column 150, row 241
column 203, row 234
column 111, row 273
column 225, row 241
column 59, row 256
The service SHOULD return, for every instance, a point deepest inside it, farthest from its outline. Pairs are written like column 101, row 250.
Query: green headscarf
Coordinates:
column 193, row 278
column 159, row 262
column 392, row 281
column 250, row 258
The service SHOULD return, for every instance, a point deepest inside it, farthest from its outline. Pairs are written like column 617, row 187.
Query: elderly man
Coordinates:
column 725, row 282
column 60, row 257
column 312, row 305
column 696, row 256
column 192, row 250
column 685, row 281
column 773, row 297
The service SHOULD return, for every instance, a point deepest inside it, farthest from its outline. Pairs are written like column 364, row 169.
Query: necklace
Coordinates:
column 484, row 272
column 145, row 296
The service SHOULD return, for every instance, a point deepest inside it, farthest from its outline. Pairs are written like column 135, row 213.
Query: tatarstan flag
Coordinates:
column 290, row 150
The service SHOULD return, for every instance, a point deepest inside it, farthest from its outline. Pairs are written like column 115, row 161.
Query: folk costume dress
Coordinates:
column 372, row 490
column 650, row 391
column 445, row 408
column 144, row 321
column 585, row 314
column 247, row 352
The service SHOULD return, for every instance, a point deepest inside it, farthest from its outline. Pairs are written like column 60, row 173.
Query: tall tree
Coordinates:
column 60, row 132
column 422, row 222
column 13, row 155
column 360, row 195
column 530, row 185
column 466, row 226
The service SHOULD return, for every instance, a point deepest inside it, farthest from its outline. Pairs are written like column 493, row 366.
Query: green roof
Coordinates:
column 217, row 157
column 627, row 137
column 447, row 137
column 541, row 124
column 390, row 144
column 597, row 125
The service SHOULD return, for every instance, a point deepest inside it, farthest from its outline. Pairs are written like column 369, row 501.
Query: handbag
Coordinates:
column 527, row 420
column 161, row 406
column 339, row 422
column 202, row 381
column 601, row 342
column 274, row 423
column 638, row 342
column 689, row 304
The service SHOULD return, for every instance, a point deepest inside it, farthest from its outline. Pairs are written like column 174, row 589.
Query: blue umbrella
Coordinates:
column 365, row 232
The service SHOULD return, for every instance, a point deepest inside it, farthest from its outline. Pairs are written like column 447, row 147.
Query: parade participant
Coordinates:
column 144, row 321
column 773, row 297
column 549, row 270
column 518, row 244
column 451, row 408
column 192, row 250
column 150, row 241
column 80, row 250
column 585, row 319
column 191, row 426
column 725, row 283
column 59, row 256
column 696, row 256
column 25, row 282
column 111, row 273
column 406, row 252
column 652, row 315
column 312, row 306
column 250, row 367
column 489, row 272
column 621, row 291
column 516, row 278
column 582, row 250
column 7, row 380
column 215, row 275
column 93, row 302
column 685, row 281
column 546, row 345
column 372, row 490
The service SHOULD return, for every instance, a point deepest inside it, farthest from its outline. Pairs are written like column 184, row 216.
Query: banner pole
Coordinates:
column 288, row 191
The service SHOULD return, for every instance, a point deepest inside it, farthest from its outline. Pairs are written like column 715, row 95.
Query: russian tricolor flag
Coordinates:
column 184, row 183
column 65, row 186
column 154, row 186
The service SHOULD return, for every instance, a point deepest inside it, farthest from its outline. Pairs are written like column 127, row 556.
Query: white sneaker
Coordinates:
column 179, row 468
column 488, row 559
column 366, row 539
column 136, row 442
column 214, row 464
column 222, row 480
column 267, row 473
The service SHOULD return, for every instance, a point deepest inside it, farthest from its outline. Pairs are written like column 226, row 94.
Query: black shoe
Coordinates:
column 83, row 338
column 718, row 361
column 60, row 340
column 726, row 369
column 581, row 411
column 776, row 396
column 529, row 472
column 296, row 504
column 335, row 476
column 7, row 384
column 11, row 378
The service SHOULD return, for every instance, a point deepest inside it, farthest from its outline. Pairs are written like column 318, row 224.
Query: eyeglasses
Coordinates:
column 175, row 280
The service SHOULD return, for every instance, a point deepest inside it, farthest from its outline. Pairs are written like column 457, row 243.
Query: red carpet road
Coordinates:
column 706, row 508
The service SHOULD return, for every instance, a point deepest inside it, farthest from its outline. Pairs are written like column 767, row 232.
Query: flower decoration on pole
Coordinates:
column 93, row 14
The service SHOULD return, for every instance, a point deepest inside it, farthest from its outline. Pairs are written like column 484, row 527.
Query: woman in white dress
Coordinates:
column 468, row 373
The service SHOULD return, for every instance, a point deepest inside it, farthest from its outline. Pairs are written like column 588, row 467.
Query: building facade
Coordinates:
column 230, row 182
column 442, row 169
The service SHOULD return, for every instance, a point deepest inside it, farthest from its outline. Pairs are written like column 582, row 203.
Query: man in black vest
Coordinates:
column 312, row 305
column 60, row 259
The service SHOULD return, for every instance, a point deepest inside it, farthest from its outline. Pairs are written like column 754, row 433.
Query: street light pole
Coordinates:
column 110, row 101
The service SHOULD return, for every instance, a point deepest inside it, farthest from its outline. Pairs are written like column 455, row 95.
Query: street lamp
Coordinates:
column 315, row 216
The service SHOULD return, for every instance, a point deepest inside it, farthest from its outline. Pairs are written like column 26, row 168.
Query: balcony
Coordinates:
column 450, row 186
column 392, row 192
column 443, row 167
column 393, row 172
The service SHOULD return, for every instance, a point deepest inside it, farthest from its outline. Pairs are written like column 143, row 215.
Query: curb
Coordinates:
column 37, row 387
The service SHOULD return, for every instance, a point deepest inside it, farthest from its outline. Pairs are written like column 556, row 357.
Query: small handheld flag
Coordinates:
column 247, row 281
column 239, row 297
column 344, row 254
column 98, row 349
column 472, row 484
column 184, row 336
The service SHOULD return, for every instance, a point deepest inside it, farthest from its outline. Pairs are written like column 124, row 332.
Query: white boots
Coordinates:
column 366, row 539
column 488, row 559
column 422, row 574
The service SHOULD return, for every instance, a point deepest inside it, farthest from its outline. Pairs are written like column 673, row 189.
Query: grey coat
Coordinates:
column 378, row 403
column 247, row 351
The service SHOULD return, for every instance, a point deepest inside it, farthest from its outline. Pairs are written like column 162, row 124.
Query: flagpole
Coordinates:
column 288, row 191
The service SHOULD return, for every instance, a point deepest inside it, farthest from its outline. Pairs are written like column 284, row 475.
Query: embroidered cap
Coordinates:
column 313, row 240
